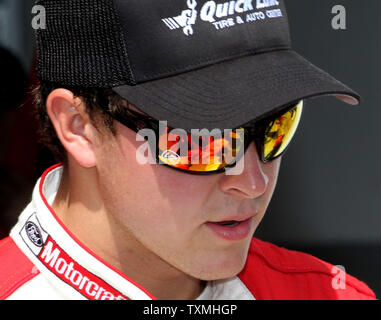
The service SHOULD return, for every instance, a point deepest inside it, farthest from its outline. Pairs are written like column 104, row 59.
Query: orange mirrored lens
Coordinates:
column 280, row 132
column 200, row 153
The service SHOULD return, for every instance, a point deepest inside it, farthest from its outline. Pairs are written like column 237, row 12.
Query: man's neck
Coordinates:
column 87, row 218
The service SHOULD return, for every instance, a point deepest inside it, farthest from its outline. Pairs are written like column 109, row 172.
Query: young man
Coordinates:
column 107, row 223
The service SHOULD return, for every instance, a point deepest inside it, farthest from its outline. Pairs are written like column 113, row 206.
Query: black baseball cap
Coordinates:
column 195, row 63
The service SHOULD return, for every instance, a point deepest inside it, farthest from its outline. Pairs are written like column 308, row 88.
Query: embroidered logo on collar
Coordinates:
column 223, row 15
column 34, row 233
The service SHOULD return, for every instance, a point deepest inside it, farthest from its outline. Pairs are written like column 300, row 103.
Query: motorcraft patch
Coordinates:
column 69, row 271
column 57, row 261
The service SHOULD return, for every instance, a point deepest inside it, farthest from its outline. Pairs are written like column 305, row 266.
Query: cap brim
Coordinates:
column 231, row 93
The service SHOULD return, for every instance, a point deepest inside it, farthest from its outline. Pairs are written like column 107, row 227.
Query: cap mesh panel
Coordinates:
column 82, row 45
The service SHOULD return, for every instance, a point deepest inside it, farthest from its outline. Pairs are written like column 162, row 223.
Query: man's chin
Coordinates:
column 221, row 269
column 213, row 276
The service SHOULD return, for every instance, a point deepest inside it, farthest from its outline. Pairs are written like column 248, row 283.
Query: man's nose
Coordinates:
column 252, row 182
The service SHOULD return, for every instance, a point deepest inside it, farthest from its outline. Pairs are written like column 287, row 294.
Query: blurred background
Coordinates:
column 328, row 198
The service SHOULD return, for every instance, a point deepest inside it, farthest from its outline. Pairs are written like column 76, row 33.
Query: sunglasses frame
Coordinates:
column 254, row 132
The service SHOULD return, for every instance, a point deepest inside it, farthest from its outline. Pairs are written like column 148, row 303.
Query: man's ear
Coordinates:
column 72, row 125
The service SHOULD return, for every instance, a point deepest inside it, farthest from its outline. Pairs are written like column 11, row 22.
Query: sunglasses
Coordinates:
column 205, row 152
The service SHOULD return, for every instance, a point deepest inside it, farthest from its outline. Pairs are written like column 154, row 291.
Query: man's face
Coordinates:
column 171, row 216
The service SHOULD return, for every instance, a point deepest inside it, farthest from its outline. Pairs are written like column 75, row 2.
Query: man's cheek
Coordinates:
column 186, row 182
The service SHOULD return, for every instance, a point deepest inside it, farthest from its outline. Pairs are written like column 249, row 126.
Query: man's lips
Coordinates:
column 235, row 218
column 233, row 228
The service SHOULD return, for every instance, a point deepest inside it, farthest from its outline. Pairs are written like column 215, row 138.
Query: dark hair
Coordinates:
column 96, row 101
